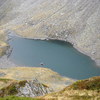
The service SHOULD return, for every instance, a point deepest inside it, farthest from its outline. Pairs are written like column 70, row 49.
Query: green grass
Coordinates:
column 17, row 98
column 5, row 80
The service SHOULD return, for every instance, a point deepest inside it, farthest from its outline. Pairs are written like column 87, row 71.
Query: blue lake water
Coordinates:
column 59, row 56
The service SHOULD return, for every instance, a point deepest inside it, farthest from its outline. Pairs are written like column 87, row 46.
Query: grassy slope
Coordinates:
column 81, row 90
column 88, row 84
column 17, row 98
column 5, row 82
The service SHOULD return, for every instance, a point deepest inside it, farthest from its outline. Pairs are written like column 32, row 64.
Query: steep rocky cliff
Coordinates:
column 77, row 21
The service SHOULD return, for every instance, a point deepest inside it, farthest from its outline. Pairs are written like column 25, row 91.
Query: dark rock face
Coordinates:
column 76, row 21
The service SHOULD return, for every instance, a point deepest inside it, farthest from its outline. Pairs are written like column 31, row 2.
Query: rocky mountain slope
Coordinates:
column 76, row 21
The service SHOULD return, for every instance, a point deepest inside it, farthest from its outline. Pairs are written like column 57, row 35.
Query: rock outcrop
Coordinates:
column 26, row 88
column 33, row 89
column 76, row 21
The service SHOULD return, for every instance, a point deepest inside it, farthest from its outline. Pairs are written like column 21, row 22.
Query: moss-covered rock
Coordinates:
column 22, row 83
column 9, row 90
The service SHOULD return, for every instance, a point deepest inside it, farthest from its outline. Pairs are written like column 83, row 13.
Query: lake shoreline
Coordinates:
column 10, row 36
column 69, row 41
